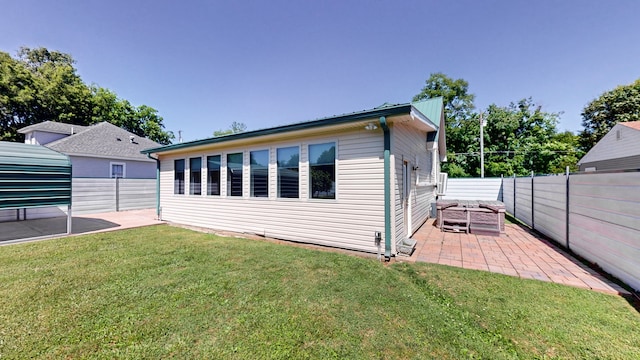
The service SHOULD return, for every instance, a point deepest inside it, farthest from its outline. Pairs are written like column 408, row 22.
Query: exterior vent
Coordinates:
column 441, row 185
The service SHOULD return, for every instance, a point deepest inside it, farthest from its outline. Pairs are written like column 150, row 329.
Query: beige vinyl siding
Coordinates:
column 409, row 144
column 349, row 221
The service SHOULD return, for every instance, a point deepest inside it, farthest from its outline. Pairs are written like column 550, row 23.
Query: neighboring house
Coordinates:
column 619, row 149
column 363, row 181
column 102, row 150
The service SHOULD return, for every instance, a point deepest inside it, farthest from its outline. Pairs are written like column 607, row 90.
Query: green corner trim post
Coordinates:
column 387, row 188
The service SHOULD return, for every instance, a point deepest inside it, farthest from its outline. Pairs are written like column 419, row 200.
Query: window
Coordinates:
column 178, row 180
column 195, row 176
column 259, row 161
column 117, row 170
column 213, row 175
column 234, row 174
column 288, row 172
column 322, row 170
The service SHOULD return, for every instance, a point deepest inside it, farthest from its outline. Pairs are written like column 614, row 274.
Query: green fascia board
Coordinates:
column 334, row 120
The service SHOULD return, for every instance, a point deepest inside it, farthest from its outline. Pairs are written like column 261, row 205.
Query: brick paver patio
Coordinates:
column 517, row 252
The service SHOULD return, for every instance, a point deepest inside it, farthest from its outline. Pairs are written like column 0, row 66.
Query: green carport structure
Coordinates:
column 33, row 176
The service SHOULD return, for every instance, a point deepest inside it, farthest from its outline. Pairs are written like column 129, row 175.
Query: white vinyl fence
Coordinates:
column 95, row 195
column 474, row 189
column 596, row 215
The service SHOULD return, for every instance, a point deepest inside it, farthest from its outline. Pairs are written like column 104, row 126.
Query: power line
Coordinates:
column 508, row 152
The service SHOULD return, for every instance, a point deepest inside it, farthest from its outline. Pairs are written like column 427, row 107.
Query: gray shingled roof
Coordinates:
column 53, row 127
column 104, row 140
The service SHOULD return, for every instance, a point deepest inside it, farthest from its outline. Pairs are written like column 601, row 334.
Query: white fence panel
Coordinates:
column 97, row 195
column 524, row 204
column 507, row 194
column 550, row 206
column 474, row 189
column 136, row 194
column 604, row 222
column 92, row 195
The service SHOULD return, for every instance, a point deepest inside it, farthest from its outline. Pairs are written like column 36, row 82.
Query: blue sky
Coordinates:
column 205, row 64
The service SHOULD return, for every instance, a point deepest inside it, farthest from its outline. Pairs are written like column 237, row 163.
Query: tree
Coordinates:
column 236, row 127
column 42, row 85
column 459, row 117
column 601, row 114
column 521, row 138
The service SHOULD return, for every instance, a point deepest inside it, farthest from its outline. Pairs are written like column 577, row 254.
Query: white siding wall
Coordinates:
column 350, row 221
column 409, row 144
column 474, row 189
column 604, row 222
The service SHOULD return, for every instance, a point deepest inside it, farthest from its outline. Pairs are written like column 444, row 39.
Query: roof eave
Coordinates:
column 336, row 120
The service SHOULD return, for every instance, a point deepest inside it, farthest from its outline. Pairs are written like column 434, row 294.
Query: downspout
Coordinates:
column 157, row 185
column 387, row 188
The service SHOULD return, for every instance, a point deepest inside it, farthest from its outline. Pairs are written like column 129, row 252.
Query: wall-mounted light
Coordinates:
column 371, row 126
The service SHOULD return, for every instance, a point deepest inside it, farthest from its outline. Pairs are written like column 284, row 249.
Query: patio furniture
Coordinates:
column 476, row 217
column 452, row 217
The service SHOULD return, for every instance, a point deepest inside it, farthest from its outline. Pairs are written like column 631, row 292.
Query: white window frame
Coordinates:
column 124, row 169
column 335, row 167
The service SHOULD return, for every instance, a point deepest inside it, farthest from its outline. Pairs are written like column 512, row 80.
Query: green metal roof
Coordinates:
column 431, row 108
column 384, row 110
column 32, row 176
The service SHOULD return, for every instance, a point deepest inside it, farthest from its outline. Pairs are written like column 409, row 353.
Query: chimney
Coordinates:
column 131, row 138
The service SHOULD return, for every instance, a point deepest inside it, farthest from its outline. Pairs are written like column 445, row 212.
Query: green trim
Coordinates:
column 387, row 188
column 335, row 120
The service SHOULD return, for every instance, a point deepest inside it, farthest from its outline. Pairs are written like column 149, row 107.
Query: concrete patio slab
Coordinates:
column 518, row 252
column 38, row 229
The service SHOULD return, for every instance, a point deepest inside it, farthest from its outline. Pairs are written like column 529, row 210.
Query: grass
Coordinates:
column 166, row 292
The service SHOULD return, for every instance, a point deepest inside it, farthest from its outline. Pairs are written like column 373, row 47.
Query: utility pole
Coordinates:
column 481, row 146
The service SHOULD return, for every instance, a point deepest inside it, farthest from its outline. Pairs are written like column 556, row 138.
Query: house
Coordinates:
column 102, row 150
column 363, row 181
column 619, row 149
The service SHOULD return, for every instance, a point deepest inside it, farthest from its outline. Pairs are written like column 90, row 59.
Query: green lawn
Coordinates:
column 165, row 292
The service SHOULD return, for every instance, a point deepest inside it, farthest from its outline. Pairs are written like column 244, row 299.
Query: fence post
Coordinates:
column 514, row 196
column 117, row 194
column 567, row 209
column 533, row 221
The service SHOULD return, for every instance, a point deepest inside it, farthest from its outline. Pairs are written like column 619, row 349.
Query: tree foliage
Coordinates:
column 601, row 114
column 235, row 128
column 518, row 138
column 41, row 85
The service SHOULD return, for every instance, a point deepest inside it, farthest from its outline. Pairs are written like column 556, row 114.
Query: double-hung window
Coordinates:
column 178, row 179
column 213, row 175
column 117, row 170
column 195, row 176
column 259, row 161
column 322, row 170
column 234, row 174
column 288, row 172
